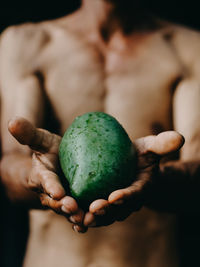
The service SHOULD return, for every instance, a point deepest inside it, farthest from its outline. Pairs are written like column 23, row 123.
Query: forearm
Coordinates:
column 177, row 187
column 15, row 169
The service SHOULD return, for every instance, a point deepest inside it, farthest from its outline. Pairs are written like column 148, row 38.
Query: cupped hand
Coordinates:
column 121, row 203
column 43, row 177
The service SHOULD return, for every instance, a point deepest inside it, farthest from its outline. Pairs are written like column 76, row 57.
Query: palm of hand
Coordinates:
column 121, row 203
column 43, row 177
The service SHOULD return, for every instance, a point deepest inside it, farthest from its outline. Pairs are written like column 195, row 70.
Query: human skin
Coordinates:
column 139, row 78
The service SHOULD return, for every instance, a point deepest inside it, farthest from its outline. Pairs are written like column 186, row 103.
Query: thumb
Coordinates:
column 37, row 139
column 161, row 144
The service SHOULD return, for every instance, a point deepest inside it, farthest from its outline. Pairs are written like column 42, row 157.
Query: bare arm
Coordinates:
column 21, row 95
column 29, row 173
column 178, row 185
column 181, row 178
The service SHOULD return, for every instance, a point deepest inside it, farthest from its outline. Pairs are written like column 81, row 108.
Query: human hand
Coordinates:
column 43, row 177
column 121, row 203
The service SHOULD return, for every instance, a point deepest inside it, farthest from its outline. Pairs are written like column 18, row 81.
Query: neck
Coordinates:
column 97, row 11
column 107, row 16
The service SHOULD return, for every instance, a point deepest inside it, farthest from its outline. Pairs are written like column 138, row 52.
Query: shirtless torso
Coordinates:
column 134, row 78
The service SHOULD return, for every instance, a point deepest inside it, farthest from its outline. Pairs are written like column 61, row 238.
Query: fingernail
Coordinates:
column 65, row 210
column 73, row 220
column 75, row 228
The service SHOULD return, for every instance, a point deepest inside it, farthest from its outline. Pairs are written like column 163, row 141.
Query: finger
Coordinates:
column 66, row 206
column 99, row 207
column 51, row 185
column 114, row 213
column 91, row 220
column 69, row 205
column 162, row 144
column 43, row 180
column 79, row 229
column 77, row 218
column 118, row 197
column 68, row 211
column 48, row 202
column 46, row 179
column 55, row 191
column 133, row 193
column 37, row 139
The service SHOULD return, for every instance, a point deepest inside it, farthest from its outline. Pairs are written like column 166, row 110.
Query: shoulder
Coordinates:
column 185, row 42
column 27, row 32
column 20, row 47
column 179, row 34
column 185, row 38
column 23, row 41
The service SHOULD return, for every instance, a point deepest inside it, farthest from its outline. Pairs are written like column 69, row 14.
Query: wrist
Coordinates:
column 15, row 169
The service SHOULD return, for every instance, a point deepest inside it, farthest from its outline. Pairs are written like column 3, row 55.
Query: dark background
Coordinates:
column 14, row 221
column 184, row 12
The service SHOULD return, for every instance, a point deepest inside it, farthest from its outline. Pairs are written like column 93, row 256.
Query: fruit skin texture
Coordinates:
column 97, row 157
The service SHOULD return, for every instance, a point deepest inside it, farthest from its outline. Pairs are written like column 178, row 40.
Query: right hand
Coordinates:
column 43, row 178
column 122, row 202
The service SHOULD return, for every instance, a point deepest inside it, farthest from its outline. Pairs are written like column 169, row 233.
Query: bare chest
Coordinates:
column 133, row 84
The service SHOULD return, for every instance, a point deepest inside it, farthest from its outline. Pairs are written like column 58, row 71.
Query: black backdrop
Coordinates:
column 19, row 12
column 184, row 12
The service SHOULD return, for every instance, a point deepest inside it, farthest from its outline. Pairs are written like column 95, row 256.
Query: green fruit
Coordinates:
column 97, row 157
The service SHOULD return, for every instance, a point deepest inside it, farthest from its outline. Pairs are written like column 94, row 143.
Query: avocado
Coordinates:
column 97, row 157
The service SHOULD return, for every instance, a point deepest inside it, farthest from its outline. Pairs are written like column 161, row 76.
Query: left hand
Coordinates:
column 44, row 176
column 121, row 203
